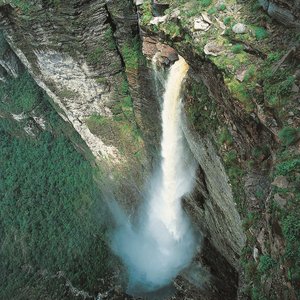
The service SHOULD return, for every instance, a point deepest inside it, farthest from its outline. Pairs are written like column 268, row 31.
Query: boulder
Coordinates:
column 281, row 182
column 157, row 20
column 240, row 74
column 282, row 15
column 200, row 24
column 212, row 48
column 280, row 201
column 168, row 54
column 239, row 28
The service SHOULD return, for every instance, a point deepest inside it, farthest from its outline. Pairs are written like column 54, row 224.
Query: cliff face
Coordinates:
column 285, row 12
column 241, row 116
column 78, row 52
column 242, row 124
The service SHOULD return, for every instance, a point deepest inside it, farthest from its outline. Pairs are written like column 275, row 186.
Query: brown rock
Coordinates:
column 167, row 52
column 149, row 47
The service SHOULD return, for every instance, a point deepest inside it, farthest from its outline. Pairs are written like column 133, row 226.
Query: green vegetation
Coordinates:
column 212, row 11
column 240, row 92
column 109, row 39
column 277, row 87
column 222, row 7
column 265, row 263
column 260, row 33
column 205, row 3
column 289, row 135
column 171, row 29
column 147, row 12
column 51, row 212
column 227, row 20
column 119, row 129
column 23, row 5
column 225, row 137
column 19, row 94
column 291, row 232
column 201, row 109
column 288, row 165
column 238, row 48
column 132, row 54
column 96, row 55
column 250, row 73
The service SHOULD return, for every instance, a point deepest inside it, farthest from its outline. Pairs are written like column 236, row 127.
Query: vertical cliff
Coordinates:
column 85, row 55
column 242, row 124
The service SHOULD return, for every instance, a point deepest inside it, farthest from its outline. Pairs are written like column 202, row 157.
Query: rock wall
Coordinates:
column 236, row 119
column 78, row 51
column 285, row 12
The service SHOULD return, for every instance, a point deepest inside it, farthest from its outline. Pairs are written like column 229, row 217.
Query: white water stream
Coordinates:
column 163, row 244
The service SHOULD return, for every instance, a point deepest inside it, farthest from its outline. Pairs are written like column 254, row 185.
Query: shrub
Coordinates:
column 222, row 7
column 132, row 54
column 227, row 20
column 225, row 137
column 288, row 135
column 172, row 29
column 265, row 263
column 212, row 11
column 109, row 39
column 230, row 157
column 250, row 73
column 205, row 3
column 147, row 12
column 260, row 33
column 287, row 166
column 238, row 48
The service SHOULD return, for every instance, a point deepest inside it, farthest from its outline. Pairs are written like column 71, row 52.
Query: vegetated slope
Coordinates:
column 52, row 231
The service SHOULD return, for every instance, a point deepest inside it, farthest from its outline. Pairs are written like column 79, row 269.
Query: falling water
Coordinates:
column 163, row 243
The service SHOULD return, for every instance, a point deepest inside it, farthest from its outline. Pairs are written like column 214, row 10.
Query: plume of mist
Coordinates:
column 161, row 242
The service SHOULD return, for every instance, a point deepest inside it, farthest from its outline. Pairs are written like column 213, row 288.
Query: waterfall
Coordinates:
column 177, row 173
column 162, row 243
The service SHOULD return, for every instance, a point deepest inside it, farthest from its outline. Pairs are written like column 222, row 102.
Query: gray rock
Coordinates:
column 239, row 28
column 139, row 2
column 213, row 49
column 219, row 215
column 281, row 182
column 280, row 201
column 240, row 75
column 200, row 24
column 264, row 4
column 157, row 20
column 295, row 88
column 281, row 14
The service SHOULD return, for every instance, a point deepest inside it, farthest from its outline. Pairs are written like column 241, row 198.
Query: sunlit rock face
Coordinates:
column 74, row 52
column 64, row 68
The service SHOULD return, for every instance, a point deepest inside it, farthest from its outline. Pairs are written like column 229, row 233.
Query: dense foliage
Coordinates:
column 51, row 213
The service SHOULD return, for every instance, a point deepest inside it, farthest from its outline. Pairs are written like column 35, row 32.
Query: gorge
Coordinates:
column 149, row 149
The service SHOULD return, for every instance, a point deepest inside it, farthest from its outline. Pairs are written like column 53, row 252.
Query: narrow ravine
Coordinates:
column 163, row 243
